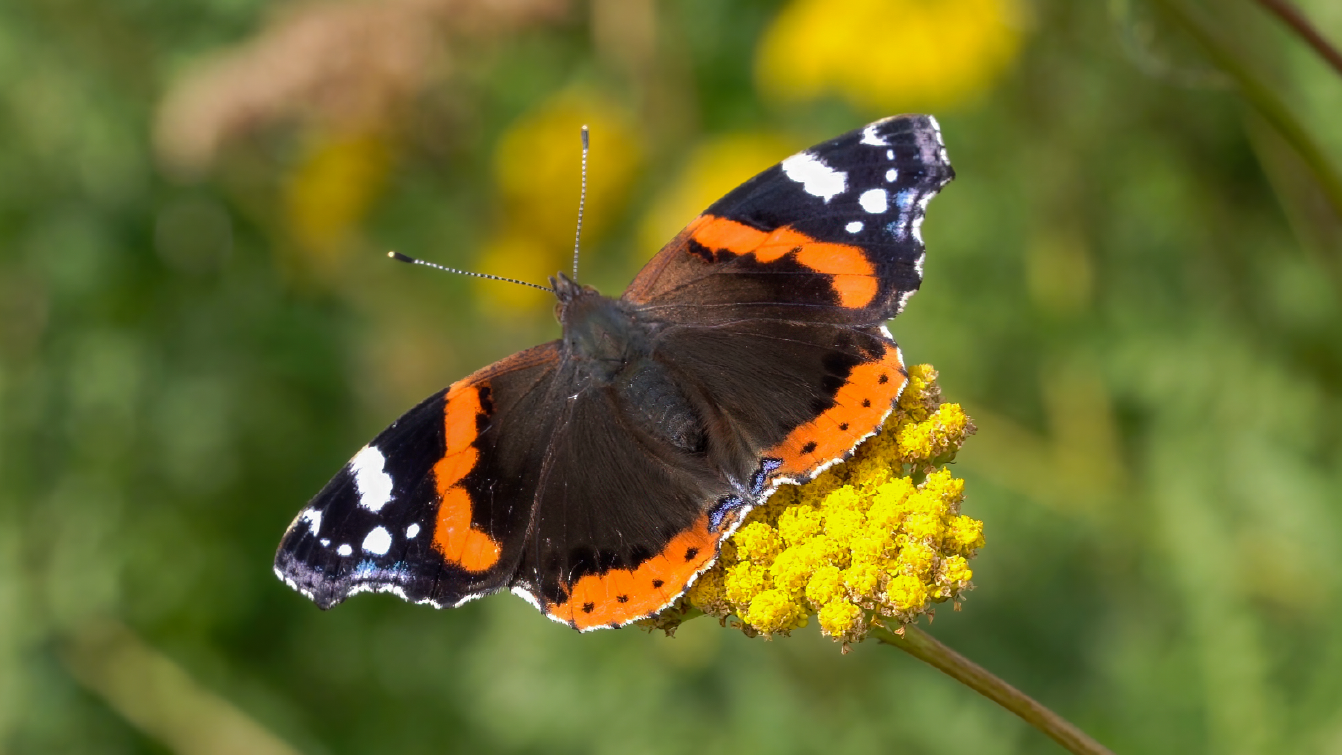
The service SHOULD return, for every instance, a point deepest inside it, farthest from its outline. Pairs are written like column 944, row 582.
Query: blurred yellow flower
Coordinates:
column 713, row 168
column 877, row 540
column 514, row 253
column 888, row 55
column 330, row 191
column 537, row 173
column 536, row 166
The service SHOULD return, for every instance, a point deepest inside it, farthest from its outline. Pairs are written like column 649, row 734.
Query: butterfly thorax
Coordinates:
column 602, row 334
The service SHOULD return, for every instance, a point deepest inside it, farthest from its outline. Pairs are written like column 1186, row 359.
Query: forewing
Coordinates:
column 830, row 234
column 435, row 508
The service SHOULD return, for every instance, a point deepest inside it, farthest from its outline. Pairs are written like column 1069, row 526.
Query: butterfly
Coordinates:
column 597, row 475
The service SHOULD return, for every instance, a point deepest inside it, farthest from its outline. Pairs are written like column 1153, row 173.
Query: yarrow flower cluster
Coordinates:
column 877, row 539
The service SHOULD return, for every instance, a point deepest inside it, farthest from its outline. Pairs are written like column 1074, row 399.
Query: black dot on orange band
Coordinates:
column 691, row 553
column 844, row 427
column 588, row 607
column 621, row 598
column 808, row 448
column 866, row 402
column 884, row 379
column 657, row 583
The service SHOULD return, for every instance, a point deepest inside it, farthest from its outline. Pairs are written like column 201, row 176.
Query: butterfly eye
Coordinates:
column 559, row 312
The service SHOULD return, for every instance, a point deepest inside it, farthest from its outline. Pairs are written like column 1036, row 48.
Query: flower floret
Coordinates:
column 799, row 524
column 757, row 542
column 906, row 593
column 826, row 585
column 840, row 619
column 773, row 611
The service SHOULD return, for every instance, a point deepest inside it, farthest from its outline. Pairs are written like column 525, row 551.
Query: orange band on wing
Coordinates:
column 453, row 535
column 853, row 275
column 860, row 406
column 622, row 595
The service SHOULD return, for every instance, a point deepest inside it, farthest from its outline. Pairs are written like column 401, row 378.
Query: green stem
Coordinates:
column 924, row 647
column 1262, row 97
column 1292, row 17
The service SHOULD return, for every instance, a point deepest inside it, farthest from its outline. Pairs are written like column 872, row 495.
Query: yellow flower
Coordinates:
column 842, row 619
column 826, row 585
column 888, row 55
column 774, row 611
column 743, row 581
column 712, row 169
column 757, row 542
column 907, row 593
column 332, row 188
column 941, row 433
column 537, row 171
column 536, row 166
column 797, row 524
column 876, row 540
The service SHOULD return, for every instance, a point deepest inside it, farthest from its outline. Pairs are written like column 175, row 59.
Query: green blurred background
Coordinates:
column 1133, row 286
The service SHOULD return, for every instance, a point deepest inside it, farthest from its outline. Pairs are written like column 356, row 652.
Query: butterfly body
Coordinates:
column 598, row 474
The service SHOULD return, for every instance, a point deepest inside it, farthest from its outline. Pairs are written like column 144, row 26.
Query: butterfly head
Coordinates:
column 596, row 328
column 569, row 293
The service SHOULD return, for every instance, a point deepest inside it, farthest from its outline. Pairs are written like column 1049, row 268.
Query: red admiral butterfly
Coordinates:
column 597, row 475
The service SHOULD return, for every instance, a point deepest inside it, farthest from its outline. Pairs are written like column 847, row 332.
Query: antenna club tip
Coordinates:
column 400, row 257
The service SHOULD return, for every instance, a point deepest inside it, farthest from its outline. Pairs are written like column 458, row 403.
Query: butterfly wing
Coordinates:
column 624, row 513
column 436, row 507
column 773, row 301
column 830, row 234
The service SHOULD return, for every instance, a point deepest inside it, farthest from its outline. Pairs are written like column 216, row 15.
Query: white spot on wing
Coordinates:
column 411, row 531
column 373, row 482
column 326, row 542
column 854, row 227
column 918, row 264
column 874, row 201
column 816, row 178
column 941, row 145
column 869, row 137
column 892, row 175
column 314, row 519
column 344, row 549
column 378, row 541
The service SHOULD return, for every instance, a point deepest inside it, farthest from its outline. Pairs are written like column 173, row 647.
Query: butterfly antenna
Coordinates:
column 411, row 260
column 582, row 200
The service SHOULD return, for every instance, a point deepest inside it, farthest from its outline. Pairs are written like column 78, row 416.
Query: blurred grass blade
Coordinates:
column 1292, row 17
column 160, row 698
column 1261, row 96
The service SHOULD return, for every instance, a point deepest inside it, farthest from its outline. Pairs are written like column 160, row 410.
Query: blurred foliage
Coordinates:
column 1133, row 287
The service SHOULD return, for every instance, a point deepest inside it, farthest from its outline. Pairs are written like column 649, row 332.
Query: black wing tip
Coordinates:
column 923, row 131
column 329, row 587
column 310, row 582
